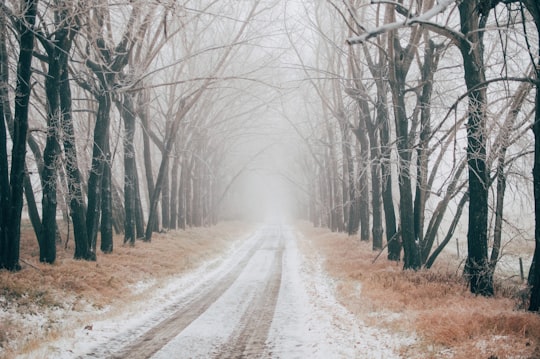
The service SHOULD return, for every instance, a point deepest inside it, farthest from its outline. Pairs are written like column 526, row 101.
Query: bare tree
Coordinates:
column 12, row 188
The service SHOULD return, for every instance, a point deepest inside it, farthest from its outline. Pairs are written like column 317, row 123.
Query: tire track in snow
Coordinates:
column 156, row 337
column 249, row 338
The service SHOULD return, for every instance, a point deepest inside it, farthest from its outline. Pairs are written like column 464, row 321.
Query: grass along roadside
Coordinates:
column 42, row 301
column 435, row 305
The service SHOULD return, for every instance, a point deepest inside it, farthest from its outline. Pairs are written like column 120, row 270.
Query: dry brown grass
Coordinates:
column 448, row 321
column 86, row 286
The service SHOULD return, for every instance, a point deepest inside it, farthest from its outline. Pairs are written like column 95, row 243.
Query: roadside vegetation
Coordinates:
column 42, row 302
column 434, row 305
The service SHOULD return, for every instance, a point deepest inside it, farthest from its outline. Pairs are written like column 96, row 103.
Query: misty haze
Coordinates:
column 270, row 179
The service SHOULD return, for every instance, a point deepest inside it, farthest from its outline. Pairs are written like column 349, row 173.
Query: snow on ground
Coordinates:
column 308, row 321
column 309, row 313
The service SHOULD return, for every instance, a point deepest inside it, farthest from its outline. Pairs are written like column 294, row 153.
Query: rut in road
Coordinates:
column 249, row 339
column 249, row 336
column 145, row 345
column 160, row 335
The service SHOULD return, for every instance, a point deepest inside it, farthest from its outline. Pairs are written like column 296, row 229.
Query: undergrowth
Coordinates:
column 35, row 301
column 434, row 305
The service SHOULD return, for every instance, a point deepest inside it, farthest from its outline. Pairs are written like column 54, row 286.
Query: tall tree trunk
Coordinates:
column 106, row 204
column 381, row 106
column 182, row 196
column 11, row 233
column 165, row 198
column 197, row 193
column 400, row 61
column 99, row 157
column 47, row 245
column 5, row 117
column 57, row 53
column 76, row 201
column 477, row 265
column 499, row 149
column 139, row 213
column 33, row 211
column 353, row 218
column 128, row 114
column 431, row 61
column 147, row 152
column 363, row 174
column 534, row 275
column 174, row 193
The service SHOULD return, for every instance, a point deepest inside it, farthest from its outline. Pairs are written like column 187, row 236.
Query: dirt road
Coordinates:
column 258, row 303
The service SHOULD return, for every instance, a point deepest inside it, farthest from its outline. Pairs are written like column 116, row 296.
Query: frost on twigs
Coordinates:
column 424, row 18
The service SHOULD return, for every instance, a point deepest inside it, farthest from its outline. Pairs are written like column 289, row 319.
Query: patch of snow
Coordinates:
column 311, row 323
column 308, row 321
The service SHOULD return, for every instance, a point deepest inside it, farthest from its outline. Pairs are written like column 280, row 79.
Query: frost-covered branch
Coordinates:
column 423, row 19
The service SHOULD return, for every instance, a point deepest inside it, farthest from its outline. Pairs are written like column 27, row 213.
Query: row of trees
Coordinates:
column 422, row 117
column 129, row 110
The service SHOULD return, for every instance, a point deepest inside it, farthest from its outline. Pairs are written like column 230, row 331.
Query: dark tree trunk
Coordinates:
column 188, row 194
column 76, row 202
column 5, row 117
column 353, row 222
column 57, row 53
column 99, row 157
column 33, row 211
column 139, row 213
column 450, row 233
column 174, row 194
column 182, row 196
column 363, row 175
column 392, row 239
column 165, row 199
column 534, row 274
column 117, row 204
column 376, row 205
column 438, row 214
column 22, row 97
column 477, row 266
column 106, row 205
column 162, row 173
column 197, row 203
column 431, row 61
column 147, row 152
column 47, row 246
column 400, row 61
column 128, row 114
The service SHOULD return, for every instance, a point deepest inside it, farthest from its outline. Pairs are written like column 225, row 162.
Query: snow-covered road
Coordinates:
column 262, row 300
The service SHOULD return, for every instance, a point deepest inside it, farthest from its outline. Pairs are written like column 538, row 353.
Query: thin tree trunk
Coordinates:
column 394, row 243
column 165, row 198
column 363, row 175
column 106, row 205
column 174, row 194
column 6, row 117
column 182, row 196
column 431, row 61
column 12, row 227
column 33, row 211
column 147, row 153
column 450, row 233
column 534, row 275
column 128, row 114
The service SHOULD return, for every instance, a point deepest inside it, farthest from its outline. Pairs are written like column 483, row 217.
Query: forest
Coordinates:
column 399, row 122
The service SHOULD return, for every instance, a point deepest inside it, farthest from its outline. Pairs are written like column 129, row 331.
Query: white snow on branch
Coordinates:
column 440, row 7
